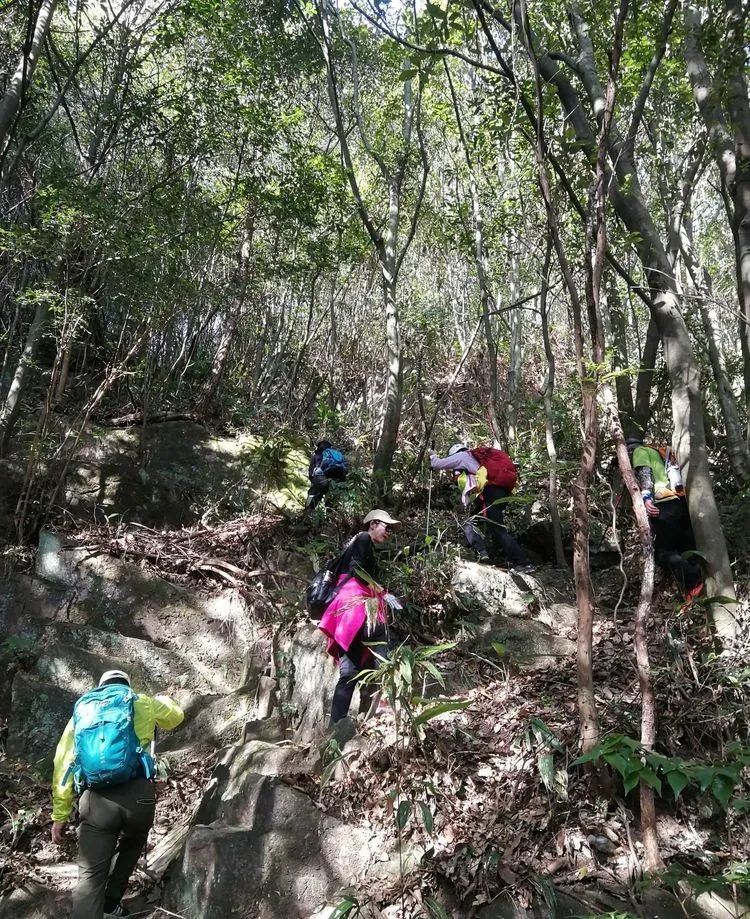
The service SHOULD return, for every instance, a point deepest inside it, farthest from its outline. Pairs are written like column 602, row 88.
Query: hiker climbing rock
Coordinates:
column 486, row 477
column 660, row 481
column 327, row 464
column 356, row 619
column 103, row 753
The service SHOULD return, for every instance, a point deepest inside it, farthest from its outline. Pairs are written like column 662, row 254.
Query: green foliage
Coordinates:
column 634, row 764
column 401, row 678
column 539, row 739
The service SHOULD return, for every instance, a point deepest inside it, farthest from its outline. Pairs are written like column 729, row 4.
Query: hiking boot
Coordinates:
column 528, row 568
column 117, row 910
column 484, row 559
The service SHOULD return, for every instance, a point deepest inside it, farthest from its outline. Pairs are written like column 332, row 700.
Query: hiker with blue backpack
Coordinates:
column 327, row 465
column 103, row 754
column 486, row 477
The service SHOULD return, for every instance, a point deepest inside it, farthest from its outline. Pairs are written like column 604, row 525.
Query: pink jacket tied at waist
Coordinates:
column 346, row 613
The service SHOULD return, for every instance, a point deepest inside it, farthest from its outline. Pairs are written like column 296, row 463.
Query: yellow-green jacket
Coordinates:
column 150, row 712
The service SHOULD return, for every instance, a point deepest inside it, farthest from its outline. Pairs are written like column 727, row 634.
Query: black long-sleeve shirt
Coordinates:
column 359, row 554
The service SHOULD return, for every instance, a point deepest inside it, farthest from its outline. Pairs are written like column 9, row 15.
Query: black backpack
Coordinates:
column 323, row 588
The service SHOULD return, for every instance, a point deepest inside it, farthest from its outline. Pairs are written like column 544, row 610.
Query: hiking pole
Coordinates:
column 429, row 497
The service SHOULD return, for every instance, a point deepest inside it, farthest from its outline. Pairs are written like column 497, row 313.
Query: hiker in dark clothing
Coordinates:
column 485, row 530
column 664, row 496
column 356, row 640
column 327, row 464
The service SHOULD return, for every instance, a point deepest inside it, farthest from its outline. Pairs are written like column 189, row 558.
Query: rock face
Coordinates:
column 83, row 614
column 525, row 614
column 115, row 596
column 39, row 713
column 254, row 826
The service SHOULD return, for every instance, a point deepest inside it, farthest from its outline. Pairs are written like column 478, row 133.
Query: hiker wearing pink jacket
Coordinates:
column 350, row 631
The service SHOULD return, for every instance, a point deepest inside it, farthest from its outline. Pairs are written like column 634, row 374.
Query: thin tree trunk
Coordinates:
column 10, row 104
column 653, row 859
column 9, row 412
column 221, row 358
column 480, row 263
column 590, row 730
column 732, row 153
column 549, row 422
column 644, row 382
column 515, row 361
column 620, row 362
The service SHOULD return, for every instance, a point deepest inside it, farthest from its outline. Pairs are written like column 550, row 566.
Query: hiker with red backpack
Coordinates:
column 103, row 753
column 486, row 477
column 658, row 473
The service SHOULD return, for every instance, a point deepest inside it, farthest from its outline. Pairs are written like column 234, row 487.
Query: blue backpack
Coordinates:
column 108, row 751
column 333, row 461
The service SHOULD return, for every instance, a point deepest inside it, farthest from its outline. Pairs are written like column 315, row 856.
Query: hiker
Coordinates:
column 660, row 481
column 327, row 464
column 355, row 640
column 486, row 476
column 117, row 805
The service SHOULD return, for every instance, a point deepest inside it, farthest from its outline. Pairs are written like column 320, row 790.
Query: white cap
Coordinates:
column 114, row 675
column 457, row 448
column 383, row 517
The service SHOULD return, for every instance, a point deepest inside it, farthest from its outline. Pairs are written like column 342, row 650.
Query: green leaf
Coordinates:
column 721, row 789
column 618, row 761
column 403, row 813
column 630, row 781
column 436, row 910
column 426, row 816
column 408, row 73
column 650, row 778
column 546, row 766
column 431, row 668
column 498, row 648
column 677, row 781
column 432, row 650
column 344, row 908
column 441, row 708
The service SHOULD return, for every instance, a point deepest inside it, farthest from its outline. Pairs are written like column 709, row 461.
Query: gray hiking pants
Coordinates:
column 114, row 823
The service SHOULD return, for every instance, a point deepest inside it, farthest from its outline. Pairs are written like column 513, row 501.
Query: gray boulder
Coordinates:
column 39, row 713
column 307, row 677
column 268, row 853
column 217, row 634
column 33, row 901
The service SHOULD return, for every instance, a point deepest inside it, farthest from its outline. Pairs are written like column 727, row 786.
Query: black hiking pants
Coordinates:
column 487, row 534
column 319, row 485
column 359, row 657
column 114, row 823
column 673, row 535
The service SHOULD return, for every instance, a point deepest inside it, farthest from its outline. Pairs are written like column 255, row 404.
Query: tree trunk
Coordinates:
column 549, row 424
column 732, row 154
column 9, row 412
column 515, row 361
column 11, row 102
column 620, row 361
column 645, row 378
column 391, row 417
column 653, row 859
column 739, row 117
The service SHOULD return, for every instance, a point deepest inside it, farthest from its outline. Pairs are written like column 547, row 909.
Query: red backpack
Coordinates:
column 499, row 466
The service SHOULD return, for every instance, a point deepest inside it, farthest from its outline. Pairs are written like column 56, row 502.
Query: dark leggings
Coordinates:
column 359, row 657
column 486, row 532
column 673, row 535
